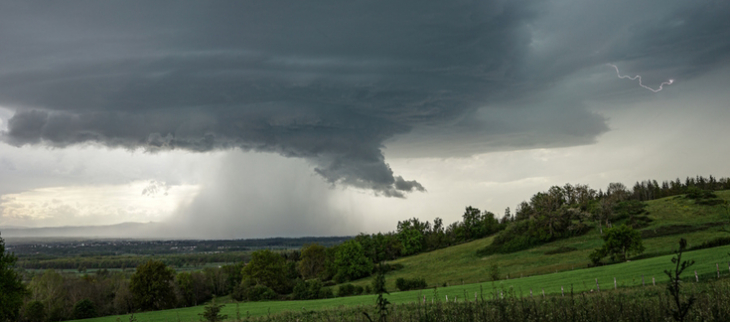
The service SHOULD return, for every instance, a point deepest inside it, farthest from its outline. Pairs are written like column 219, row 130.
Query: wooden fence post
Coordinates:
column 543, row 292
column 597, row 286
column 530, row 292
column 562, row 291
column 697, row 278
column 615, row 286
column 653, row 281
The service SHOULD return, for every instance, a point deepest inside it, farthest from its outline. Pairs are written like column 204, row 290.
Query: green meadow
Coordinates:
column 464, row 273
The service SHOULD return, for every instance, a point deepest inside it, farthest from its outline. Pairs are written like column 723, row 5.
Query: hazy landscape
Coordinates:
column 491, row 160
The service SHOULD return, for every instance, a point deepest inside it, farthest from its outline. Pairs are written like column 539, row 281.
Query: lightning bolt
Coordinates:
column 661, row 86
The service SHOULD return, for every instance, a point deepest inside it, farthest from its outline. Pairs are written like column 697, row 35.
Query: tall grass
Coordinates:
column 636, row 304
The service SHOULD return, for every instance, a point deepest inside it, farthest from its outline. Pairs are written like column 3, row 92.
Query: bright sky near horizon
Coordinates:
column 248, row 119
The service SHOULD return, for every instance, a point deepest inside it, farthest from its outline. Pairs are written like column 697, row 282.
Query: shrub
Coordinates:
column 404, row 284
column 345, row 290
column 392, row 267
column 619, row 243
column 307, row 290
column 212, row 311
column 709, row 202
column 697, row 193
column 248, row 292
column 494, row 272
column 326, row 293
column 358, row 290
column 719, row 241
column 35, row 311
column 84, row 309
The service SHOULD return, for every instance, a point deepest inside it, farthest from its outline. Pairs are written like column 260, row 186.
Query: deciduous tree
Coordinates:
column 151, row 286
column 351, row 261
column 269, row 269
column 12, row 289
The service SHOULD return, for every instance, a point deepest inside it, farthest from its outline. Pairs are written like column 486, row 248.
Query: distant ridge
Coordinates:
column 122, row 230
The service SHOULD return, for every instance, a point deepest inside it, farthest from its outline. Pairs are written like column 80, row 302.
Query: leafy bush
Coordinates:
column 404, row 284
column 326, row 293
column 307, row 290
column 494, row 271
column 212, row 311
column 248, row 292
column 84, row 309
column 35, row 311
column 392, row 267
column 697, row 193
column 720, row 241
column 709, row 202
column 345, row 290
column 619, row 243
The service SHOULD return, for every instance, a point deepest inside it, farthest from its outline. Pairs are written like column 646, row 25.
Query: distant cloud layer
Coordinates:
column 333, row 81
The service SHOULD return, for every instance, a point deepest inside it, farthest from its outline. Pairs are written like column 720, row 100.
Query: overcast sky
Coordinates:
column 245, row 119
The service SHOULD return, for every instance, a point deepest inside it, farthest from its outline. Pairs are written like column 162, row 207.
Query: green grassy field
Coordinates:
column 466, row 273
column 626, row 274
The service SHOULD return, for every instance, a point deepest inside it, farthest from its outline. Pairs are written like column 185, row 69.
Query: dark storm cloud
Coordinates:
column 331, row 81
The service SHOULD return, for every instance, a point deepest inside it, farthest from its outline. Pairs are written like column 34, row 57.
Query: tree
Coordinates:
column 471, row 219
column 151, row 286
column 35, row 311
column 84, row 309
column 192, row 288
column 212, row 311
column 12, row 289
column 351, row 261
column 411, row 235
column 314, row 257
column 233, row 275
column 49, row 289
column 268, row 269
column 619, row 242
column 216, row 279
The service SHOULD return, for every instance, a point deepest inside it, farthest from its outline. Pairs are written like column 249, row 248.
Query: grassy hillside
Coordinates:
column 460, row 264
column 626, row 274
column 463, row 270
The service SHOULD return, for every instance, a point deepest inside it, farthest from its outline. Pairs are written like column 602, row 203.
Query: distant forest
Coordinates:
column 64, row 253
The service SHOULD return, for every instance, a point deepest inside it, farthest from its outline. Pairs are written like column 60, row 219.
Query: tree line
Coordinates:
column 572, row 210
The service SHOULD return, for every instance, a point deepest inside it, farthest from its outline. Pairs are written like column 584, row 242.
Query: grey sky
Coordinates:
column 351, row 93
